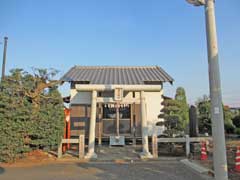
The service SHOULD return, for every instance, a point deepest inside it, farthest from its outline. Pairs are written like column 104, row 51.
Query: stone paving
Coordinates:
column 108, row 153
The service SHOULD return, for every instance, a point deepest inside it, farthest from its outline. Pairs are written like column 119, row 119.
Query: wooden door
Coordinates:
column 80, row 117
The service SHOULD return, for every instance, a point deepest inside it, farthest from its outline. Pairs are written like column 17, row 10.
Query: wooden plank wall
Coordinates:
column 137, row 114
column 80, row 118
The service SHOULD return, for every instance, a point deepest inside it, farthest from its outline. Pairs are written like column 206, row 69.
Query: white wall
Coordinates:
column 153, row 107
column 80, row 97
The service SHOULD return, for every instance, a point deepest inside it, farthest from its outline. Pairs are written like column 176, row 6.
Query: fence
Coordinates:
column 187, row 140
column 81, row 146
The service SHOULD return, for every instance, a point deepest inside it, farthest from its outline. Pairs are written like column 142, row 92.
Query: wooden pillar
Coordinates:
column 117, row 118
column 68, row 132
column 81, row 148
column 133, row 124
column 187, row 145
column 100, row 125
column 64, row 146
column 154, row 146
column 100, row 132
column 60, row 150
column 67, row 128
column 91, row 140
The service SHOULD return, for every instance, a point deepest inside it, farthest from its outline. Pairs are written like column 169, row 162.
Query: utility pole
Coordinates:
column 219, row 146
column 218, row 133
column 4, row 57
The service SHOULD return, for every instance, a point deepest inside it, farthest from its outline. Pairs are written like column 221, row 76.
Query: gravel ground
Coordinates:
column 231, row 154
column 164, row 170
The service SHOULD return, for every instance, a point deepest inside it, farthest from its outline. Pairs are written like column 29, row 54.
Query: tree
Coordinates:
column 184, row 109
column 31, row 112
column 228, row 116
column 204, row 114
column 14, row 119
column 175, row 113
column 171, row 117
column 236, row 121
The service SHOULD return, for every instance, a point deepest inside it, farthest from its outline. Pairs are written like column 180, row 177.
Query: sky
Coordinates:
column 62, row 33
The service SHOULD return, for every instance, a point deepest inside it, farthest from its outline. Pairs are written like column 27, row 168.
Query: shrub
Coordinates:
column 30, row 117
column 229, row 128
column 237, row 131
column 236, row 121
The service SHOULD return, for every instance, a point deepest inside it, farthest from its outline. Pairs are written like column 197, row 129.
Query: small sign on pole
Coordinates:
column 118, row 94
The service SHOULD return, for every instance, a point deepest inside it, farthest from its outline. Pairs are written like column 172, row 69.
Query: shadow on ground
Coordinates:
column 143, row 170
column 2, row 170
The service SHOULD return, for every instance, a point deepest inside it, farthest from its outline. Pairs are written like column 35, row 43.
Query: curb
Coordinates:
column 197, row 167
column 122, row 161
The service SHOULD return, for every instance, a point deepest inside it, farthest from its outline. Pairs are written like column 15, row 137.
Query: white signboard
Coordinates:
column 118, row 94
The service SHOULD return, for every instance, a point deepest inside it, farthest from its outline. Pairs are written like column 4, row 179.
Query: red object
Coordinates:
column 66, row 128
column 237, row 160
column 64, row 147
column 68, row 132
column 204, row 151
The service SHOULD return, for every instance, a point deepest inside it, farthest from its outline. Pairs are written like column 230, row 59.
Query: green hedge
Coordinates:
column 23, row 125
column 237, row 131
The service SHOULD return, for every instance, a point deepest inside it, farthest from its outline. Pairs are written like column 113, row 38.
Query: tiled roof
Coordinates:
column 117, row 75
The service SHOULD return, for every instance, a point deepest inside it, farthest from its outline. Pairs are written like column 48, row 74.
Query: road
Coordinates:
column 164, row 170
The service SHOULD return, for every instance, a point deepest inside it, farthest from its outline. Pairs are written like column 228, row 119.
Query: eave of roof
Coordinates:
column 117, row 75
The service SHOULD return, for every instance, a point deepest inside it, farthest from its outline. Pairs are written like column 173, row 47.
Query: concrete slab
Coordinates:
column 195, row 166
column 111, row 153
